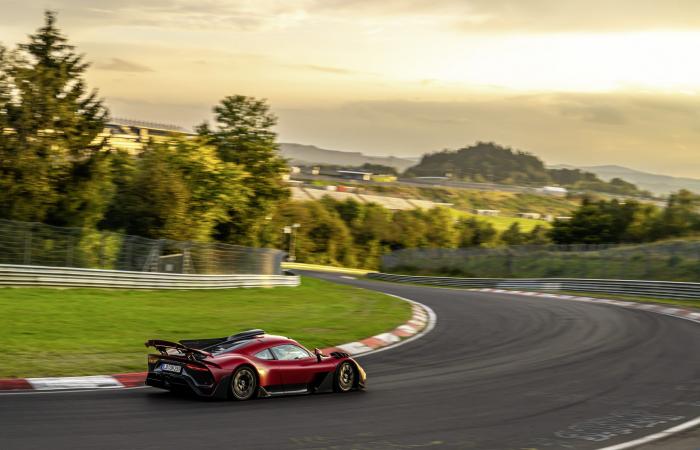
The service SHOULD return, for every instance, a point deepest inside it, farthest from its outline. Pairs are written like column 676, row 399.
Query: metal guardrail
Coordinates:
column 641, row 288
column 12, row 275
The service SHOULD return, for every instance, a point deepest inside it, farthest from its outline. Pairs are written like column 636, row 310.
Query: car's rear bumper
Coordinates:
column 179, row 382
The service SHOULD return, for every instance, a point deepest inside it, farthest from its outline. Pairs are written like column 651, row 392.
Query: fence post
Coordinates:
column 509, row 263
column 28, row 247
column 102, row 251
column 128, row 254
column 153, row 259
column 69, row 252
column 187, row 258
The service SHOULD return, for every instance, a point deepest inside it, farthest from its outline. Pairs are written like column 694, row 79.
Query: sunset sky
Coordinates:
column 573, row 81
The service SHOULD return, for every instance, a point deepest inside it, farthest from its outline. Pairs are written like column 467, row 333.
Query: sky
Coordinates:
column 581, row 82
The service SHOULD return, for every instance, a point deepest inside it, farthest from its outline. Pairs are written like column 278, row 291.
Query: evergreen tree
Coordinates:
column 513, row 235
column 681, row 217
column 475, row 232
column 243, row 135
column 50, row 166
column 539, row 235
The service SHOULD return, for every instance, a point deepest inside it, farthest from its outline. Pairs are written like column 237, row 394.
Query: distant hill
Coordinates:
column 658, row 184
column 300, row 154
column 484, row 161
column 487, row 161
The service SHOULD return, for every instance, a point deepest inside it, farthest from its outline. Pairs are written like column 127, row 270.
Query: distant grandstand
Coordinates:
column 133, row 135
column 120, row 121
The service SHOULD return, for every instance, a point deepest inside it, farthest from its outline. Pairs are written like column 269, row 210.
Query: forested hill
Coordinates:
column 483, row 162
column 490, row 162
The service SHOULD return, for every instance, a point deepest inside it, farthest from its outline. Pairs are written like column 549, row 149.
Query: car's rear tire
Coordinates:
column 244, row 384
column 345, row 377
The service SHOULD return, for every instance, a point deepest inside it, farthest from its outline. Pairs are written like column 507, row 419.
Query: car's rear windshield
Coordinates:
column 226, row 347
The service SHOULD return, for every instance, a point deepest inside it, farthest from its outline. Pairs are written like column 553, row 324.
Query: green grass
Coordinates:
column 52, row 332
column 674, row 260
column 501, row 223
column 687, row 303
column 662, row 301
column 509, row 203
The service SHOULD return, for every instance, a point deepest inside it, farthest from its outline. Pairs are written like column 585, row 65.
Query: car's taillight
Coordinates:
column 152, row 359
column 195, row 367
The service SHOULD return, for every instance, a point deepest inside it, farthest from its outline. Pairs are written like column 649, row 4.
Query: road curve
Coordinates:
column 497, row 372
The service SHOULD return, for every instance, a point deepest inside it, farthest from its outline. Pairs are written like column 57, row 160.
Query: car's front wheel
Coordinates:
column 244, row 384
column 345, row 376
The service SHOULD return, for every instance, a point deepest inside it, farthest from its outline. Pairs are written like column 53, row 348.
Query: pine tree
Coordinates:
column 51, row 167
column 243, row 135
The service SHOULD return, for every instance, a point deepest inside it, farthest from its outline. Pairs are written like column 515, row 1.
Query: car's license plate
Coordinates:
column 170, row 368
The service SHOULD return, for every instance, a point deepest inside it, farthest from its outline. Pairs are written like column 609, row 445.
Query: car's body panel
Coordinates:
column 205, row 366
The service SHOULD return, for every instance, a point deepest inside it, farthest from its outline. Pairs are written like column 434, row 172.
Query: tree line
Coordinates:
column 354, row 234
column 616, row 222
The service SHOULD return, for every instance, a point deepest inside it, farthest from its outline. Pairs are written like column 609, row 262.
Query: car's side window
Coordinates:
column 288, row 352
column 265, row 354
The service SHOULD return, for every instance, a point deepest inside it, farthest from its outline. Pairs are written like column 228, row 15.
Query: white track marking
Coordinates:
column 656, row 436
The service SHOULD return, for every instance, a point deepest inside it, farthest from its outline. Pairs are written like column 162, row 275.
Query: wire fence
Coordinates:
column 26, row 243
column 670, row 260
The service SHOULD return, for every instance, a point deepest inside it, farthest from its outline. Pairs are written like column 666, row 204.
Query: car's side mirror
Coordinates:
column 318, row 354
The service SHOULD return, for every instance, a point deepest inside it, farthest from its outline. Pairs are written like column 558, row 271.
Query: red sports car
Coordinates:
column 250, row 364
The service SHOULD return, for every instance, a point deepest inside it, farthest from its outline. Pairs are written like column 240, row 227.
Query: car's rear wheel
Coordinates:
column 244, row 384
column 345, row 376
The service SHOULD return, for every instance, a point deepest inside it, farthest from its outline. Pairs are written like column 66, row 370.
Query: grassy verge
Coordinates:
column 685, row 303
column 672, row 260
column 324, row 268
column 502, row 223
column 52, row 332
column 659, row 300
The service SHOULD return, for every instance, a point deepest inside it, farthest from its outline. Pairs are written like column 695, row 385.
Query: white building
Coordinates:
column 529, row 215
column 557, row 191
column 487, row 212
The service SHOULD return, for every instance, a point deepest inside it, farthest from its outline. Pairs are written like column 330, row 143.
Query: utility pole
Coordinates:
column 291, row 230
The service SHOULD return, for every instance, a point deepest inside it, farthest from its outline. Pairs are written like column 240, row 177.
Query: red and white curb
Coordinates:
column 681, row 313
column 422, row 321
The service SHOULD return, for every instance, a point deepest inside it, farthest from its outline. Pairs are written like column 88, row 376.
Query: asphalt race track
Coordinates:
column 497, row 372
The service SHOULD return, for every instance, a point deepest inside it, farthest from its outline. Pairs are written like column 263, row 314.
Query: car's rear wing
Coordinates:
column 164, row 346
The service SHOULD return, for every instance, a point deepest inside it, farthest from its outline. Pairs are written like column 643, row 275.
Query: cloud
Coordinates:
column 603, row 114
column 471, row 16
column 245, row 15
column 580, row 15
column 579, row 129
column 325, row 69
column 533, row 15
column 121, row 65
